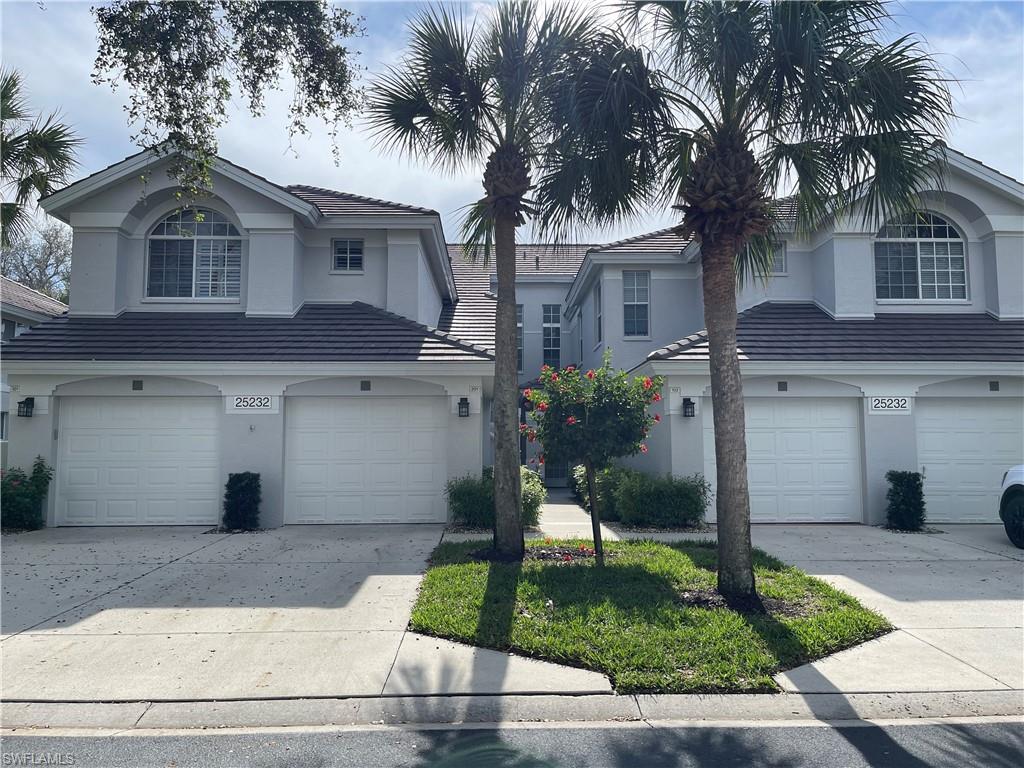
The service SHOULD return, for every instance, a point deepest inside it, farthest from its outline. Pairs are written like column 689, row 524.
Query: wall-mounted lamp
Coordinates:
column 25, row 406
column 689, row 408
column 463, row 407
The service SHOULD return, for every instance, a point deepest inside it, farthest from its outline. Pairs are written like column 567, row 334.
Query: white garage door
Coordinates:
column 803, row 459
column 365, row 460
column 138, row 461
column 965, row 446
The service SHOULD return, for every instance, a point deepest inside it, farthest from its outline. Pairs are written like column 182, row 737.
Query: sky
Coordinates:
column 53, row 45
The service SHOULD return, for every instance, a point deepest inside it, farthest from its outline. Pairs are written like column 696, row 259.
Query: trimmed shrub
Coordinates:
column 22, row 495
column 242, row 496
column 905, row 511
column 606, row 481
column 661, row 502
column 471, row 498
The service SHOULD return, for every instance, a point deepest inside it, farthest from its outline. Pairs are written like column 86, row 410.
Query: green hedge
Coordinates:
column 647, row 501
column 905, row 511
column 22, row 495
column 242, row 496
column 471, row 498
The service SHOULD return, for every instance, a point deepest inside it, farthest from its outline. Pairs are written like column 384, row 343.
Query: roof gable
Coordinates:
column 20, row 297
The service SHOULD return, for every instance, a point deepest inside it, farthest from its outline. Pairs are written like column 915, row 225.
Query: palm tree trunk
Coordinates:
column 508, row 528
column 735, row 564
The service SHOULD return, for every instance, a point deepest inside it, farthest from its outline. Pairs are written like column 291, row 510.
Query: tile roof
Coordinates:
column 332, row 203
column 660, row 241
column 25, row 298
column 472, row 318
column 799, row 331
column 354, row 332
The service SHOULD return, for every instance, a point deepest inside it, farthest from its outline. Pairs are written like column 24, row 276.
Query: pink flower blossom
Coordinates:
column 591, row 374
column 570, row 369
column 643, row 448
column 542, row 407
column 527, row 393
column 647, row 382
column 657, row 397
column 657, row 418
column 571, row 420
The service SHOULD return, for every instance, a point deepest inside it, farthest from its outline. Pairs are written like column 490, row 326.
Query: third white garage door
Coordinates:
column 965, row 445
column 365, row 460
column 803, row 459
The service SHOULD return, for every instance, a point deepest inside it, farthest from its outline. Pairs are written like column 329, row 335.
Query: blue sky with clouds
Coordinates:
column 53, row 45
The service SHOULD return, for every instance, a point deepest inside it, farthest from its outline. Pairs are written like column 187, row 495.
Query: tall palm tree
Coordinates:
column 37, row 155
column 562, row 114
column 773, row 97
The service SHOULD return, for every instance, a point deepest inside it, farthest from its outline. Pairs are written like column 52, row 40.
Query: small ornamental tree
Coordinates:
column 591, row 418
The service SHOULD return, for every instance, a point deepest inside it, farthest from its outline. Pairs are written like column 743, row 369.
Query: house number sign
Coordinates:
column 889, row 404
column 251, row 404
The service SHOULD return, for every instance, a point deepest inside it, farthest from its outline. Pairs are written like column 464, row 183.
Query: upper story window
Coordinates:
column 519, row 337
column 348, row 255
column 920, row 257
column 779, row 259
column 636, row 303
column 195, row 253
column 598, row 324
column 552, row 317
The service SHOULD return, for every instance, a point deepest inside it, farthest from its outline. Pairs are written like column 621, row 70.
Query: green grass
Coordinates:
column 633, row 620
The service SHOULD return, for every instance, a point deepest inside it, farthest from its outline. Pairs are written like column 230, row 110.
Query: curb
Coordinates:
column 450, row 710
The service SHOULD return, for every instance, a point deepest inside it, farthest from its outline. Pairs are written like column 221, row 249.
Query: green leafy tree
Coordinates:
column 563, row 116
column 38, row 155
column 181, row 58
column 776, row 97
column 592, row 418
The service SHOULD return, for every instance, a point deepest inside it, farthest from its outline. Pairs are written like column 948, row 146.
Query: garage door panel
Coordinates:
column 964, row 446
column 138, row 461
column 382, row 460
column 803, row 459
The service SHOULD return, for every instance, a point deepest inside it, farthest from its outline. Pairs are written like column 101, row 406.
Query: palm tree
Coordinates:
column 773, row 97
column 37, row 155
column 562, row 113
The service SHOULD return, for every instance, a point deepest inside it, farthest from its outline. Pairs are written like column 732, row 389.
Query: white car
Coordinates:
column 1011, row 505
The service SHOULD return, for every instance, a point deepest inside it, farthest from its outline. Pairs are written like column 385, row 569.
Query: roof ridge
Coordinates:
column 433, row 330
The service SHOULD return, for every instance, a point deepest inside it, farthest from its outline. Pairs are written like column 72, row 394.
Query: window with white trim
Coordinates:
column 597, row 314
column 779, row 259
column 348, row 255
column 194, row 253
column 552, row 326
column 519, row 338
column 636, row 303
column 920, row 257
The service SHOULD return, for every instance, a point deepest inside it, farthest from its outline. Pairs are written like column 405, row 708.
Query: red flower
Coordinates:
column 571, row 420
column 544, row 368
column 590, row 374
column 657, row 418
column 523, row 428
column 541, row 458
column 554, row 377
column 542, row 407
column 567, row 557
column 570, row 368
column 643, row 448
column 583, row 547
column 657, row 397
column 647, row 382
column 527, row 393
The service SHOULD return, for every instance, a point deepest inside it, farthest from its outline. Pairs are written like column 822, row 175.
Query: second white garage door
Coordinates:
column 365, row 460
column 965, row 445
column 803, row 459
column 138, row 461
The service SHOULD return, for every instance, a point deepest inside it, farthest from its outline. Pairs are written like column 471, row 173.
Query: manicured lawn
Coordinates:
column 650, row 619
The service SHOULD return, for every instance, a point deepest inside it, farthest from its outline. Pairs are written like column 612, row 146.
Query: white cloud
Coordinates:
column 54, row 48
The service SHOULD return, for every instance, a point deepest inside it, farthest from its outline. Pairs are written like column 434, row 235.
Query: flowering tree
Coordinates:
column 591, row 417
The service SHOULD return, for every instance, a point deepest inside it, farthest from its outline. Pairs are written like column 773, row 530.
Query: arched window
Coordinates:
column 921, row 256
column 194, row 253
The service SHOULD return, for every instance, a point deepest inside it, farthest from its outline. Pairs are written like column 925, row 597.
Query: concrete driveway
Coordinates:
column 151, row 614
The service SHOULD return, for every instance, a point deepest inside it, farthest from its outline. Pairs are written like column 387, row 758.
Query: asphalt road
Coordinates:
column 992, row 745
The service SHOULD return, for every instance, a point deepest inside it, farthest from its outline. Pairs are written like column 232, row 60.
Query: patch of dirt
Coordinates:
column 236, row 530
column 456, row 528
column 925, row 530
column 711, row 599
column 548, row 553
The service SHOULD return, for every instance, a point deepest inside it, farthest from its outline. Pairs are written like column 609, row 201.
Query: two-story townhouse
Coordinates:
column 21, row 308
column 290, row 331
column 875, row 345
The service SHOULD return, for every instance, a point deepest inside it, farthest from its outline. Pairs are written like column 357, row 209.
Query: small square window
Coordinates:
column 348, row 256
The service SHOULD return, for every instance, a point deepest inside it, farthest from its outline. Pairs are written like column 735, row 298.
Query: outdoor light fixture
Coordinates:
column 25, row 406
column 689, row 408
column 463, row 407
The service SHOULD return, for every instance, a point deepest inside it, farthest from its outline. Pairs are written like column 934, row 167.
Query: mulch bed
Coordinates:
column 710, row 599
column 548, row 553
